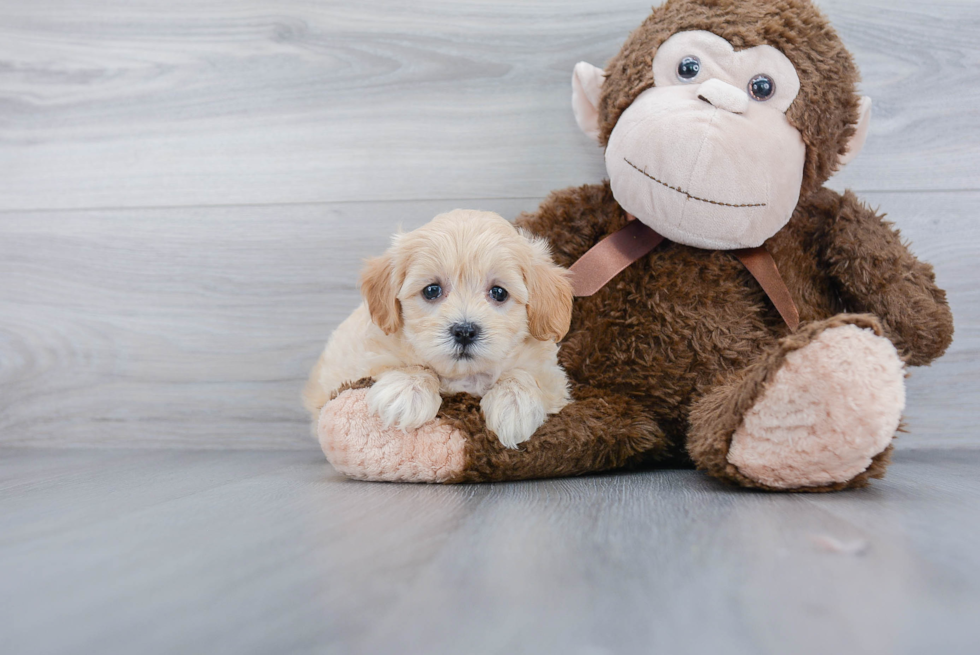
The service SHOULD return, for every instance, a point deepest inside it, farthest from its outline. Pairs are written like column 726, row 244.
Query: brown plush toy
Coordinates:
column 721, row 121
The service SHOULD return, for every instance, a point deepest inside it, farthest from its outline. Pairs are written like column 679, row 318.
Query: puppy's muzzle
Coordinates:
column 464, row 335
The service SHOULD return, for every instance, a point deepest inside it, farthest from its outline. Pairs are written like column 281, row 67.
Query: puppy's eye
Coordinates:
column 498, row 293
column 432, row 292
column 689, row 68
column 762, row 87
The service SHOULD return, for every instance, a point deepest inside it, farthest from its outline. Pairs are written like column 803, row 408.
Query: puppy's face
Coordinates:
column 466, row 290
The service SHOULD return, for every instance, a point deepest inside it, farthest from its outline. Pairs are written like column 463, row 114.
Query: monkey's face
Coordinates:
column 711, row 146
column 707, row 157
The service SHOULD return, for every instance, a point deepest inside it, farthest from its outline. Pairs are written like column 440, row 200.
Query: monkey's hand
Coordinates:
column 597, row 432
column 877, row 274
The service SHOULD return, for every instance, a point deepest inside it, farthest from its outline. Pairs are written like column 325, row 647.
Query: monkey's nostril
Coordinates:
column 724, row 96
column 465, row 333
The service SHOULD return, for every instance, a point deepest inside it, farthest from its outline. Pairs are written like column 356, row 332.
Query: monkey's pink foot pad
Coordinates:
column 359, row 446
column 832, row 406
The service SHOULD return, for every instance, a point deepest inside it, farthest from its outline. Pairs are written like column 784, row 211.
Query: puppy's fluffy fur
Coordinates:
column 464, row 340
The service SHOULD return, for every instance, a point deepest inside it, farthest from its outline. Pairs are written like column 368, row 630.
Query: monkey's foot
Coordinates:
column 832, row 406
column 358, row 445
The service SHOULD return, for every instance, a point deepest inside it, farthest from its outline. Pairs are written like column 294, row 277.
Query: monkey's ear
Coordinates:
column 860, row 134
column 586, row 85
column 380, row 291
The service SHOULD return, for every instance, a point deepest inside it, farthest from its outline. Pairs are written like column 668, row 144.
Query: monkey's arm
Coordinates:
column 574, row 219
column 877, row 274
column 598, row 431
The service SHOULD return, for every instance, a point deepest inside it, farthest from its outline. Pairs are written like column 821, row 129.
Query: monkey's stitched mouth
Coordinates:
column 673, row 188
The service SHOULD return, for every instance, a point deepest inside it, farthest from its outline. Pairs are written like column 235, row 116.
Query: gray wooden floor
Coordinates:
column 186, row 191
column 176, row 551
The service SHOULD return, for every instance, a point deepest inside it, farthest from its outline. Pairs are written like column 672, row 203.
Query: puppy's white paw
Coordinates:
column 513, row 411
column 406, row 399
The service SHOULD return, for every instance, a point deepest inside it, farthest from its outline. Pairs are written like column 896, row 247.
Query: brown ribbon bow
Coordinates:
column 612, row 255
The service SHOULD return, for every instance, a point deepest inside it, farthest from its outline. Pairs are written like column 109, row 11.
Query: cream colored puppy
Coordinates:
column 466, row 303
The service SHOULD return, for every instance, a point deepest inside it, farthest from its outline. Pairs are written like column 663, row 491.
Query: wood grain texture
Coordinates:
column 121, row 104
column 244, row 552
column 179, row 327
column 197, row 327
column 192, row 324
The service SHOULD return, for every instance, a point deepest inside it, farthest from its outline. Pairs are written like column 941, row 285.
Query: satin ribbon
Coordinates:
column 612, row 255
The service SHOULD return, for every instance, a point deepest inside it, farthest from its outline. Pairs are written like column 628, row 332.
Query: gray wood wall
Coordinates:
column 187, row 188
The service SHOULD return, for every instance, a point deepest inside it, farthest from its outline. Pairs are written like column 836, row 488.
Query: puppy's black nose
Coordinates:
column 465, row 333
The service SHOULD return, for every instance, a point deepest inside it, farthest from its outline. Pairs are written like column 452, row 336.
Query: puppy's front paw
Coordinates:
column 513, row 412
column 405, row 399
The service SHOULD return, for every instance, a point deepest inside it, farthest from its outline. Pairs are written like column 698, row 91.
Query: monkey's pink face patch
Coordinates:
column 359, row 446
column 707, row 157
column 706, row 56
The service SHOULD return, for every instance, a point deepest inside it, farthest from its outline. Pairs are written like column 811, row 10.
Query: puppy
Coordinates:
column 466, row 303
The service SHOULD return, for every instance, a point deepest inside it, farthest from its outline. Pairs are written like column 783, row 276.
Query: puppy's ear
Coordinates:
column 549, row 295
column 380, row 290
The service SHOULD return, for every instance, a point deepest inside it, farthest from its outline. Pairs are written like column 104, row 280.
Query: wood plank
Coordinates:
column 119, row 104
column 247, row 552
column 191, row 327
column 196, row 327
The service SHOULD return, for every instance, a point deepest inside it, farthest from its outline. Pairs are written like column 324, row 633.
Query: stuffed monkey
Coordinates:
column 721, row 121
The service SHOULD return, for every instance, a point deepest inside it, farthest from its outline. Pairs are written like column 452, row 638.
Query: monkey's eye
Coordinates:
column 432, row 292
column 689, row 68
column 762, row 87
column 498, row 293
